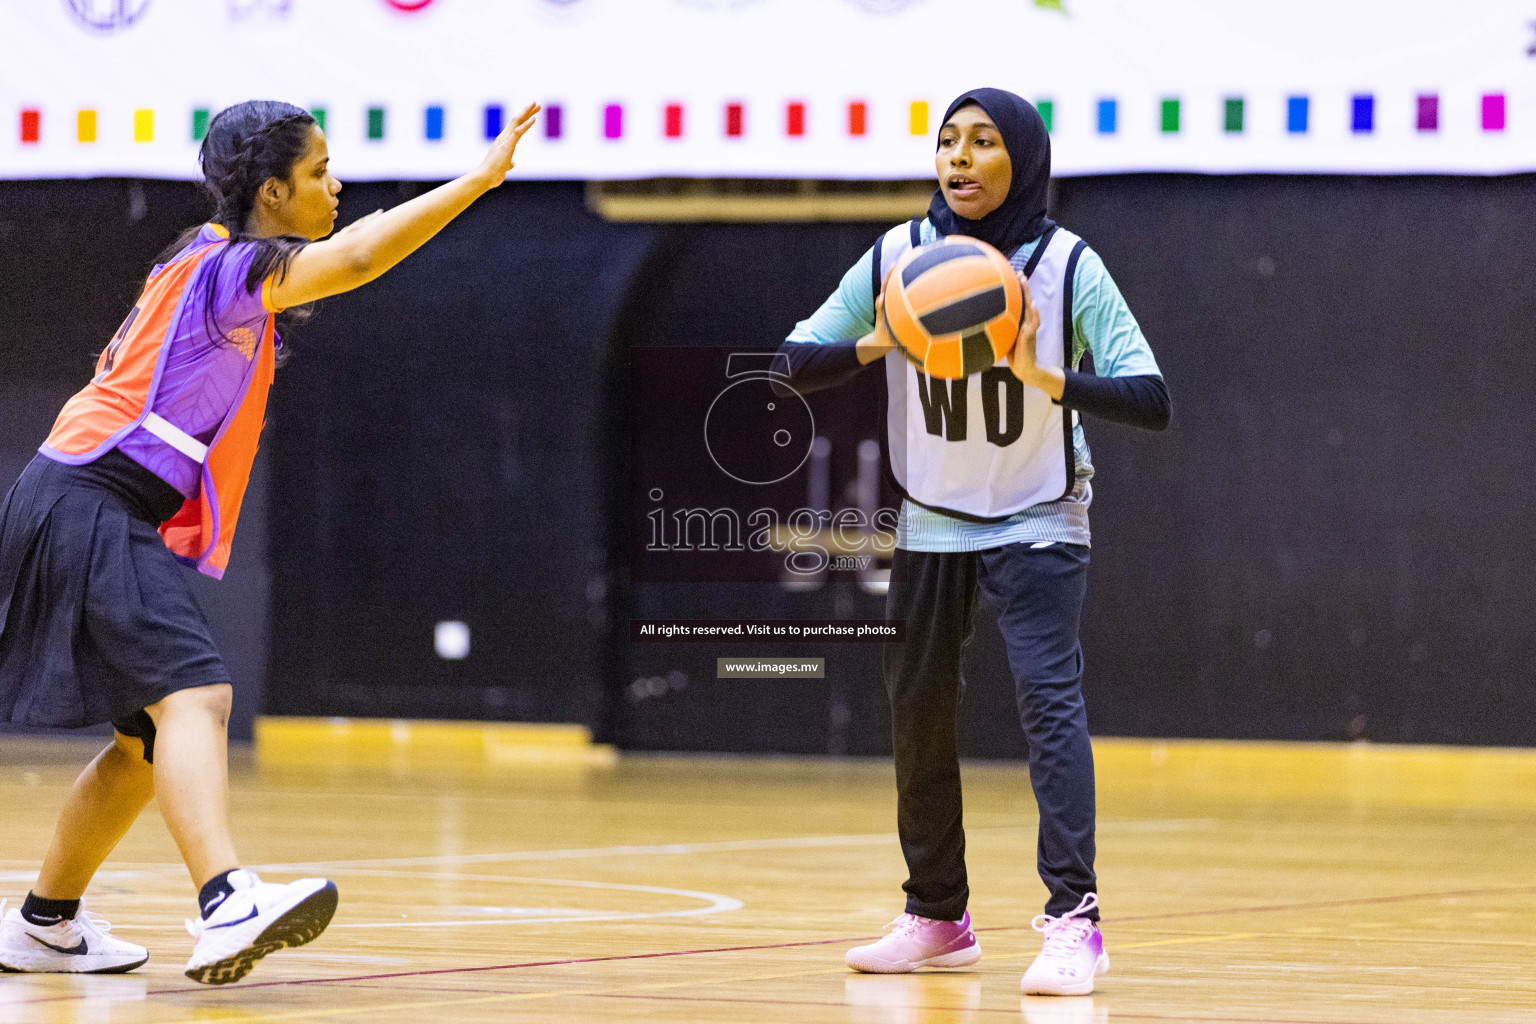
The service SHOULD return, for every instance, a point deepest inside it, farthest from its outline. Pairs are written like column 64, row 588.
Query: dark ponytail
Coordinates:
column 246, row 144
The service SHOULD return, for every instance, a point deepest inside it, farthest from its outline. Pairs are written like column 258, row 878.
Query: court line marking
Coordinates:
column 714, row 846
column 646, row 992
column 1360, row 901
column 637, row 993
column 582, row 852
column 715, row 903
column 1114, row 1014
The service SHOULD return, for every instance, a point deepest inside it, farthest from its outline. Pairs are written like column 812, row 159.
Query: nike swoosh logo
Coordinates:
column 215, row 901
column 231, row 924
column 76, row 950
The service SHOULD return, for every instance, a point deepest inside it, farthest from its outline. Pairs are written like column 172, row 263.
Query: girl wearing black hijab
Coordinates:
column 995, row 475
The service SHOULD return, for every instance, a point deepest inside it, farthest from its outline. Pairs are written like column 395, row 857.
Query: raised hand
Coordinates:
column 498, row 161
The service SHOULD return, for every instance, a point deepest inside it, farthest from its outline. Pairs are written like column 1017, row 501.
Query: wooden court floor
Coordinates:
column 1241, row 883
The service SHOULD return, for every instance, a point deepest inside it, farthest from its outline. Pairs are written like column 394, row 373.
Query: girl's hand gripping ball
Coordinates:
column 1023, row 360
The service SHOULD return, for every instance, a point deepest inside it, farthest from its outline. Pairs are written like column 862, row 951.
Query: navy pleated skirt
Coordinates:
column 97, row 620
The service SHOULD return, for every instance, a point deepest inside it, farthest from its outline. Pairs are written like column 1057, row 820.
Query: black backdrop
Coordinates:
column 1331, row 540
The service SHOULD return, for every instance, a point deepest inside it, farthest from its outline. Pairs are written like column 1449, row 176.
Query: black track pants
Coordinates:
column 1038, row 595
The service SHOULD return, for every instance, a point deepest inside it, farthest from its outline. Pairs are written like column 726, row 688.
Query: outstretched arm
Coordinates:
column 363, row 251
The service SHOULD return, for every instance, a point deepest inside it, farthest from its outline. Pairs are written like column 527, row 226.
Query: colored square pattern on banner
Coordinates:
column 1428, row 119
column 1168, row 114
column 1493, row 112
column 794, row 119
column 858, row 118
column 1297, row 109
column 1232, row 115
column 1362, row 114
column 1108, row 115
column 917, row 119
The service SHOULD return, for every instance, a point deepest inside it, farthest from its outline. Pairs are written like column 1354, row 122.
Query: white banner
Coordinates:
column 797, row 88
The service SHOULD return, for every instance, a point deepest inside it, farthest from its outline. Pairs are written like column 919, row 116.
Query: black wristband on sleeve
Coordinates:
column 1140, row 401
column 816, row 367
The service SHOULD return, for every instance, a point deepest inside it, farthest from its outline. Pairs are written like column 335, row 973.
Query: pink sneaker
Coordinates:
column 1071, row 957
column 916, row 942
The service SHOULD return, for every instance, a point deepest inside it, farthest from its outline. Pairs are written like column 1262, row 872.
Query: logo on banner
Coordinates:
column 107, row 15
column 241, row 9
column 561, row 12
column 717, row 5
column 408, row 6
column 884, row 6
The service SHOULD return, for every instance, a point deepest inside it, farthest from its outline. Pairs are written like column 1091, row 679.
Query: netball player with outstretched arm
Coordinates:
column 146, row 467
column 1002, row 510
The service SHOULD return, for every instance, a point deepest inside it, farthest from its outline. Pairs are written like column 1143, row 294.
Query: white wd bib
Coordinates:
column 986, row 447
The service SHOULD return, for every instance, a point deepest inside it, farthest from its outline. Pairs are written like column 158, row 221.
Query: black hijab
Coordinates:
column 1021, row 217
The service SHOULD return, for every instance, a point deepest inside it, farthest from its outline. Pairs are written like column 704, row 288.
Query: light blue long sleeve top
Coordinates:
column 1103, row 326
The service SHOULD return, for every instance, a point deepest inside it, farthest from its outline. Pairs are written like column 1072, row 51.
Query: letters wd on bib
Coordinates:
column 985, row 447
column 791, row 88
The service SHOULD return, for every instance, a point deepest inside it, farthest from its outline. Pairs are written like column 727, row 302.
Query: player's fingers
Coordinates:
column 515, row 128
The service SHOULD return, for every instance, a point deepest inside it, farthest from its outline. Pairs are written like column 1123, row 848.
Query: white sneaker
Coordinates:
column 1073, row 954
column 256, row 919
column 77, row 946
column 916, row 942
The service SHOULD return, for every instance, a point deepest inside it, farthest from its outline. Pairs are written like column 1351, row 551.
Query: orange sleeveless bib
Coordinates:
column 122, row 395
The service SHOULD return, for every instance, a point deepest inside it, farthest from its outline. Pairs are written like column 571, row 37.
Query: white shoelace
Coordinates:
column 902, row 925
column 94, row 920
column 83, row 917
column 1065, row 934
